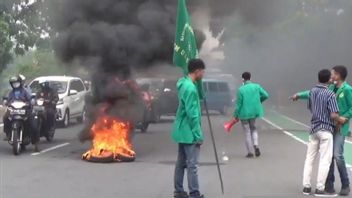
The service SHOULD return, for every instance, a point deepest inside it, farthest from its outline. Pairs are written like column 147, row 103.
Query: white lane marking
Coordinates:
column 286, row 132
column 295, row 121
column 50, row 149
column 294, row 137
column 300, row 123
column 1, row 180
column 1, row 125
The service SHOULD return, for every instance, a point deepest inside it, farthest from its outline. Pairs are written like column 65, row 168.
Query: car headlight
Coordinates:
column 40, row 102
column 60, row 102
column 18, row 104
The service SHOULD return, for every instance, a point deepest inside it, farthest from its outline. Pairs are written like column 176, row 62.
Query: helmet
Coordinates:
column 44, row 83
column 23, row 78
column 15, row 82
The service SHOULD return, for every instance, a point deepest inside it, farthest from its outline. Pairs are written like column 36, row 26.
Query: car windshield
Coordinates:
column 60, row 86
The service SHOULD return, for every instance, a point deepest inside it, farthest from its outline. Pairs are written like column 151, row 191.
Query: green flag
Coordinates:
column 185, row 47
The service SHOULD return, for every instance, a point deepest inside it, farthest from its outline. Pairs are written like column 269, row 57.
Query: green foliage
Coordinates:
column 28, row 23
column 32, row 65
column 24, row 25
column 5, row 44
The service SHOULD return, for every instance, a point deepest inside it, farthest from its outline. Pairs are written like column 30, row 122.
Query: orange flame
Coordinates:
column 110, row 137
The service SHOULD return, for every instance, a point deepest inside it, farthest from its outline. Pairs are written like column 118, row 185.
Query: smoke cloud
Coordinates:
column 121, row 36
column 285, row 51
column 113, row 39
column 117, row 35
column 283, row 43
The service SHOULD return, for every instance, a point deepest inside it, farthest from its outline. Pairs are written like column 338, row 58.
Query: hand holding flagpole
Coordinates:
column 185, row 48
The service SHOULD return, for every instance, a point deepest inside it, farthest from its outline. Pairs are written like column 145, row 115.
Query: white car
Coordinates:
column 72, row 92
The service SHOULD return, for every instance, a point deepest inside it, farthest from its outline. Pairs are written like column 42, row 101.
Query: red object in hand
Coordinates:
column 228, row 125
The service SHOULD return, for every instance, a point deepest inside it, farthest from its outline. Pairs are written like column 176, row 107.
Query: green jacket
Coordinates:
column 344, row 100
column 249, row 101
column 187, row 126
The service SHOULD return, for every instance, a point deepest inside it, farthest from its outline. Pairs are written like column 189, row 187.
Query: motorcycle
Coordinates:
column 18, row 114
column 39, row 112
column 147, row 110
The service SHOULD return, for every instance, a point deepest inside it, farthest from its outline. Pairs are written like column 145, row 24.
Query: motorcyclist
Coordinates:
column 18, row 92
column 51, row 98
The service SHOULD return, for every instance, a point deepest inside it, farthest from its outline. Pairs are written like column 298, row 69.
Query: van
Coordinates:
column 218, row 95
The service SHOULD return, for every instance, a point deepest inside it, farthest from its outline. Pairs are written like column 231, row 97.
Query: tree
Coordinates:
column 24, row 24
column 5, row 44
column 32, row 64
column 28, row 22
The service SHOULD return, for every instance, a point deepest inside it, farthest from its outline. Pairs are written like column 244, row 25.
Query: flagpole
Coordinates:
column 185, row 43
column 214, row 145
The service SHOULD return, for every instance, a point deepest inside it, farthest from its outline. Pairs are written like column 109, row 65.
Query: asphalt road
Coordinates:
column 59, row 172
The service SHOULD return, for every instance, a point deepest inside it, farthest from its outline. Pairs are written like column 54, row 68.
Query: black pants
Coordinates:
column 29, row 128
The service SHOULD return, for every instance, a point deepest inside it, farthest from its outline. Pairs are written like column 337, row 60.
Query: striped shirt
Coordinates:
column 322, row 102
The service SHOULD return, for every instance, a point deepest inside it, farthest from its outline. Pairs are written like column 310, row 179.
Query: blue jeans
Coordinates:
column 339, row 142
column 188, row 155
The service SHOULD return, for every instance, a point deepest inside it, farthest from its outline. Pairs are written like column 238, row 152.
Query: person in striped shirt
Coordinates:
column 323, row 105
column 343, row 93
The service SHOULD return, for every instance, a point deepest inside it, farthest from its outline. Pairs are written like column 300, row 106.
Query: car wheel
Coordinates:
column 144, row 127
column 83, row 117
column 66, row 121
column 156, row 116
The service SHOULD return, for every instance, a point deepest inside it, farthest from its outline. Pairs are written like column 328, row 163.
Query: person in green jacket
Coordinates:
column 187, row 131
column 343, row 93
column 250, row 97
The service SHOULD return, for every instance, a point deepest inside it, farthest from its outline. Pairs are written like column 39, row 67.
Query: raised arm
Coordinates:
column 300, row 95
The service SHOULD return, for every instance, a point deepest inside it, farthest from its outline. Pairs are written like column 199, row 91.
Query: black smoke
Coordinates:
column 113, row 39
column 118, row 35
column 123, row 34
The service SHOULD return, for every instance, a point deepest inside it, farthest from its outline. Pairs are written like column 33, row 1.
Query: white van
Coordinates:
column 72, row 92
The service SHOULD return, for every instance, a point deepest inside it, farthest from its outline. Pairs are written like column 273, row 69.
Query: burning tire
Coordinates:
column 121, row 158
column 111, row 141
column 107, row 157
column 110, row 159
column 100, row 159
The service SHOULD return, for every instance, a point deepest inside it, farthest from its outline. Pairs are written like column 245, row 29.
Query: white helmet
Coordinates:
column 40, row 81
column 44, row 83
column 23, row 79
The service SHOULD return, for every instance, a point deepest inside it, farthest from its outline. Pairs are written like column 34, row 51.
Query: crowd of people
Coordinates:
column 330, row 103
